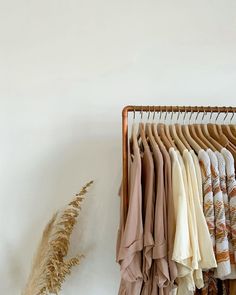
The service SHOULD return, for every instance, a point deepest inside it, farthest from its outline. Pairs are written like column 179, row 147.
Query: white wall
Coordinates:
column 66, row 70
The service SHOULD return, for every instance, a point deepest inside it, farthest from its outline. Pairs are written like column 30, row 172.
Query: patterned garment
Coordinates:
column 222, row 245
column 208, row 202
column 231, row 189
column 210, row 283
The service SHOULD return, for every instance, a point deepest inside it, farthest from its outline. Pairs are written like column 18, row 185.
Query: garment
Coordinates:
column 207, row 260
column 182, row 250
column 160, row 265
column 170, row 213
column 148, row 190
column 210, row 282
column 222, row 245
column 231, row 189
column 208, row 201
column 198, row 174
column 131, row 244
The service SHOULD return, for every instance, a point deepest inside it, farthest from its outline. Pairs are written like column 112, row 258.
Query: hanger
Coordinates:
column 213, row 144
column 224, row 128
column 180, row 133
column 180, row 145
column 167, row 131
column 162, row 133
column 194, row 145
column 232, row 126
column 202, row 133
column 194, row 135
column 215, row 133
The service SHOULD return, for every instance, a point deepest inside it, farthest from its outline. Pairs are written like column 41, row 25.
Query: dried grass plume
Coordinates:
column 50, row 267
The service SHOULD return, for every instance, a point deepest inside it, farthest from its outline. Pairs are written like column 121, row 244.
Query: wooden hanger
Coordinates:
column 233, row 129
column 153, row 130
column 182, row 137
column 185, row 130
column 161, row 131
column 167, row 131
column 225, row 129
column 180, row 133
column 228, row 133
column 181, row 147
column 214, row 133
column 214, row 145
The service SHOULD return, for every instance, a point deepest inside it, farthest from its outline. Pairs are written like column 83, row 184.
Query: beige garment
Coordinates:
column 170, row 214
column 195, row 274
column 199, row 175
column 148, row 214
column 131, row 242
column 182, row 250
column 205, row 245
column 160, row 264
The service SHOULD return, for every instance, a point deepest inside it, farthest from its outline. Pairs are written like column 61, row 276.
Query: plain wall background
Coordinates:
column 66, row 70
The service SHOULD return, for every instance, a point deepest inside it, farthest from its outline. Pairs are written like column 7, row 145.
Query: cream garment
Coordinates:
column 131, row 245
column 196, row 273
column 182, row 250
column 231, row 189
column 205, row 246
column 222, row 245
column 148, row 176
column 199, row 175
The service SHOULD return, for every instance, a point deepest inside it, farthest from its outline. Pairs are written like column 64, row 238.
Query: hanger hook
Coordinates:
column 141, row 112
column 191, row 115
column 185, row 114
column 154, row 112
column 172, row 114
column 149, row 111
column 217, row 114
column 198, row 112
column 178, row 114
column 204, row 113
column 231, row 119
column 211, row 115
column 227, row 112
column 134, row 113
column 166, row 112
column 160, row 114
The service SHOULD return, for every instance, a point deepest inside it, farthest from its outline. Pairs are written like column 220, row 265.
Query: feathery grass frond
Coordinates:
column 50, row 268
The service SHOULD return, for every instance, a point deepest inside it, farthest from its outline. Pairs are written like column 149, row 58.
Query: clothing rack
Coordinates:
column 153, row 109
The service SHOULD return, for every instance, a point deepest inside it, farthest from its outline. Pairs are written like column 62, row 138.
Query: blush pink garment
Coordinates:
column 148, row 216
column 160, row 264
column 130, row 240
column 170, row 228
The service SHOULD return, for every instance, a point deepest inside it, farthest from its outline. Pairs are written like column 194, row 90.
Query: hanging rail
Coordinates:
column 149, row 109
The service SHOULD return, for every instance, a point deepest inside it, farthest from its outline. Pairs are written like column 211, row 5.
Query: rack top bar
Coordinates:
column 207, row 109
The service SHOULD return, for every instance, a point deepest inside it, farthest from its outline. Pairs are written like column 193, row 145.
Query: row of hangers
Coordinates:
column 194, row 136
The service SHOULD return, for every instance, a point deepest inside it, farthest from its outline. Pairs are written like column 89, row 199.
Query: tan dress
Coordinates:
column 130, row 245
column 160, row 265
column 148, row 213
column 170, row 217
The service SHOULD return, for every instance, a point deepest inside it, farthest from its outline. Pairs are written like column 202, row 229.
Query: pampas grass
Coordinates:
column 50, row 268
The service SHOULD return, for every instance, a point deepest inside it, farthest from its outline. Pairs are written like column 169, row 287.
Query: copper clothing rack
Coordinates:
column 149, row 109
